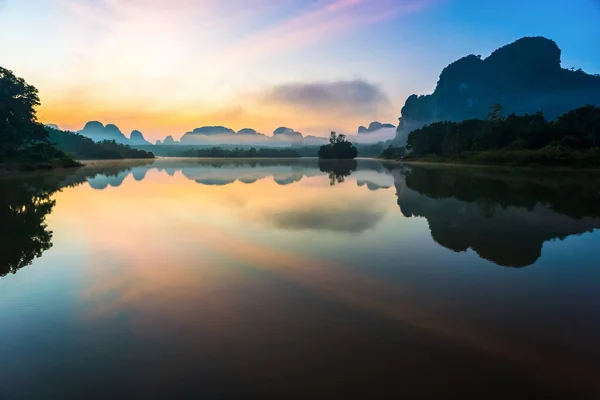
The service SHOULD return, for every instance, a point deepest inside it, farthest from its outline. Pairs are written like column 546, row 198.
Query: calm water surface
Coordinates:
column 273, row 277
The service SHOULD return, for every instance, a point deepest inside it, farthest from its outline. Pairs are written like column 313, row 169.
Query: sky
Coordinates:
column 165, row 67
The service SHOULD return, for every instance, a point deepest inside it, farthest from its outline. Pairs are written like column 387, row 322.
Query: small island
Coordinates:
column 338, row 148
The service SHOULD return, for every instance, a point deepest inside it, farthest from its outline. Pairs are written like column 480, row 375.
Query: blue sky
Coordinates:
column 166, row 67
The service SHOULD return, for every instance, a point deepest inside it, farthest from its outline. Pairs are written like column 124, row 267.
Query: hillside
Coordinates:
column 524, row 77
column 84, row 148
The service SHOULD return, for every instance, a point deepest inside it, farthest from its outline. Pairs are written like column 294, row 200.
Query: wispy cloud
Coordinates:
column 285, row 25
column 180, row 60
column 323, row 21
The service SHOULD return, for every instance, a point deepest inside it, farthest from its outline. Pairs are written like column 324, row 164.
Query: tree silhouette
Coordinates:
column 561, row 142
column 338, row 170
column 338, row 147
column 496, row 113
column 23, row 231
column 18, row 122
column 22, row 137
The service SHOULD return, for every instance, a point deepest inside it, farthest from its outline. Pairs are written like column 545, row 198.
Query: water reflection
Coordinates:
column 504, row 216
column 24, row 234
column 338, row 170
column 178, row 277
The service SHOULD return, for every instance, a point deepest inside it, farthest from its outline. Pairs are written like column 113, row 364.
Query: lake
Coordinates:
column 299, row 278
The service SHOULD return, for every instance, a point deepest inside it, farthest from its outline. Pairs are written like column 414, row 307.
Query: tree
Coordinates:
column 19, row 128
column 333, row 138
column 496, row 113
column 338, row 147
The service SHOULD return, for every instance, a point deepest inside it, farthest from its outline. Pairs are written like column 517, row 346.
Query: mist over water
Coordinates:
column 176, row 277
column 260, row 140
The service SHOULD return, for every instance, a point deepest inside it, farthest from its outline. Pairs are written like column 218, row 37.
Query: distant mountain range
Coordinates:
column 96, row 131
column 215, row 135
column 524, row 77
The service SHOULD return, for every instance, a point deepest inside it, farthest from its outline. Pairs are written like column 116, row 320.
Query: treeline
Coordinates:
column 573, row 139
column 24, row 142
column 84, row 148
column 265, row 152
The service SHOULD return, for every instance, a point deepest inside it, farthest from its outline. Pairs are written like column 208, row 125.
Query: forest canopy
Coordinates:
column 84, row 148
column 24, row 142
column 530, row 135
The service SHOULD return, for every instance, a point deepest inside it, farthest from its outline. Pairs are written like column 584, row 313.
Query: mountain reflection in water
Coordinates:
column 504, row 216
column 176, row 277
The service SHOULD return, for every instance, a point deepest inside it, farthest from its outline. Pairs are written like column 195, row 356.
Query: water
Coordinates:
column 274, row 277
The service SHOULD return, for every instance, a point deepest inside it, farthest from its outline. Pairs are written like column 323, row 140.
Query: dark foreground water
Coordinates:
column 187, row 278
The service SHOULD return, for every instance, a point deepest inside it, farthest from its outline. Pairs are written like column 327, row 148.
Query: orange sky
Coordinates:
column 167, row 67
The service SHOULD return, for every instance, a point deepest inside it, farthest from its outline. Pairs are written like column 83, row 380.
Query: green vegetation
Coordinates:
column 364, row 150
column 218, row 152
column 525, row 76
column 572, row 140
column 338, row 148
column 394, row 153
column 84, row 148
column 24, row 142
column 370, row 149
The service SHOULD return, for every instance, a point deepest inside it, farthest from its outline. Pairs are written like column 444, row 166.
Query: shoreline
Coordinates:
column 15, row 168
column 490, row 166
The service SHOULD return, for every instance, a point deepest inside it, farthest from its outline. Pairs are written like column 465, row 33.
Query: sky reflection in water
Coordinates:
column 271, row 276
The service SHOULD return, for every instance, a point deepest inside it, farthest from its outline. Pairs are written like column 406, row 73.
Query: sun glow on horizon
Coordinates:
column 165, row 68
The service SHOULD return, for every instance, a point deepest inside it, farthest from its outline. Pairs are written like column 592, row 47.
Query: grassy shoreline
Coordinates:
column 548, row 157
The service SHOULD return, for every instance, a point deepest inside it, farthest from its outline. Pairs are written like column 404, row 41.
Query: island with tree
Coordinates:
column 338, row 148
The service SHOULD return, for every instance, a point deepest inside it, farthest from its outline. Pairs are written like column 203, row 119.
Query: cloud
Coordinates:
column 319, row 21
column 355, row 96
column 321, row 218
column 132, row 62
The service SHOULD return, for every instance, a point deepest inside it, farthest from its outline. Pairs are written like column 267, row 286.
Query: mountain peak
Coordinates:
column 373, row 127
column 524, row 77
column 96, row 131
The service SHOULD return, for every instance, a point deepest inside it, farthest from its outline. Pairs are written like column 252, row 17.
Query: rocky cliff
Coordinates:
column 524, row 77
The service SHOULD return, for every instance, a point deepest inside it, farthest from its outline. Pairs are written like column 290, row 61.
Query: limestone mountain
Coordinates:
column 96, row 131
column 284, row 134
column 249, row 131
column 524, row 77
column 285, row 131
column 137, row 138
column 374, row 126
column 169, row 140
column 199, row 133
